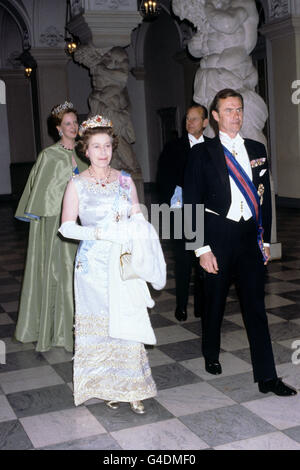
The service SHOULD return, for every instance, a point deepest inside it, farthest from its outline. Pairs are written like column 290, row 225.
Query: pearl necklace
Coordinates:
column 98, row 180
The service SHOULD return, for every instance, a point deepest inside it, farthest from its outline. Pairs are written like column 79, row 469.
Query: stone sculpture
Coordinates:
column 226, row 35
column 109, row 70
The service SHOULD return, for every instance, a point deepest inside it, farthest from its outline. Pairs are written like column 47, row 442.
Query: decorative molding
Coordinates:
column 7, row 75
column 105, row 5
column 281, row 28
column 26, row 40
column 19, row 14
column 105, row 28
column 46, row 56
column 13, row 60
column 52, row 37
column 278, row 9
column 112, row 4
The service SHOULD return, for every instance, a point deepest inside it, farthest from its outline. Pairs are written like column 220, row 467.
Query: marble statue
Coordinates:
column 109, row 69
column 226, row 35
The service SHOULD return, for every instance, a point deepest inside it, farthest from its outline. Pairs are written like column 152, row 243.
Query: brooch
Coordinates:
column 79, row 265
column 260, row 192
column 257, row 162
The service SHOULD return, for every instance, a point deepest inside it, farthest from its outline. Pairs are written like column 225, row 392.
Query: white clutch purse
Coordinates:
column 126, row 269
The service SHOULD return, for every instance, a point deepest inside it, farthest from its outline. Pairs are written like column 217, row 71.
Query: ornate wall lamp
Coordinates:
column 28, row 61
column 149, row 9
column 71, row 42
column 28, row 71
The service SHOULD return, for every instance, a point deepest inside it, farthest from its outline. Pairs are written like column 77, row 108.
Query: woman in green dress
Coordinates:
column 46, row 304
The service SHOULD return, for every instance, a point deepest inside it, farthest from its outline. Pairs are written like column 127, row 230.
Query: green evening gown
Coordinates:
column 47, row 299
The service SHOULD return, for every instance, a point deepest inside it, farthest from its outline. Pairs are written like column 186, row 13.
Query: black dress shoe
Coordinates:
column 197, row 313
column 180, row 314
column 276, row 386
column 213, row 367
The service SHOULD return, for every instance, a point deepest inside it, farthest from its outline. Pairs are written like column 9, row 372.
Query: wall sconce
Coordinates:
column 28, row 62
column 71, row 42
column 71, row 46
column 28, row 71
column 149, row 9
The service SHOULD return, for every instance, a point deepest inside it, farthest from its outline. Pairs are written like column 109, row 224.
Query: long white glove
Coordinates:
column 117, row 232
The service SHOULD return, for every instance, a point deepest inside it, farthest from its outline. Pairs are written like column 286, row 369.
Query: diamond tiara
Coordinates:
column 95, row 121
column 61, row 107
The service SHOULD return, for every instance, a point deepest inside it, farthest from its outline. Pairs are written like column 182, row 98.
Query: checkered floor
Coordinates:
column 193, row 410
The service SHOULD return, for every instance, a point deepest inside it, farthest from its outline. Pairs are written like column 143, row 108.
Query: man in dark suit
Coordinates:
column 229, row 175
column 170, row 177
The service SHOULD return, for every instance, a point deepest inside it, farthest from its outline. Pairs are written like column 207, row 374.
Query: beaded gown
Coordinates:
column 104, row 367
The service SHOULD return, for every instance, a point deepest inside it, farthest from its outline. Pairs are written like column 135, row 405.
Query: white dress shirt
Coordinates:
column 239, row 207
column 193, row 140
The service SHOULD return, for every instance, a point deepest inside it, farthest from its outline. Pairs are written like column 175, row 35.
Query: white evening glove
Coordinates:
column 117, row 232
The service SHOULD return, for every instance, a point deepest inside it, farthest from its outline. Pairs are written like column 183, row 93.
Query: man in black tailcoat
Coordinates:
column 170, row 177
column 229, row 175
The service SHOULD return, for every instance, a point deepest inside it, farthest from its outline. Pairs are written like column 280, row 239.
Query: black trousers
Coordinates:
column 185, row 261
column 239, row 257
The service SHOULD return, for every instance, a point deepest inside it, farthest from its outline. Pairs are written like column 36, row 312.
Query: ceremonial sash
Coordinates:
column 249, row 192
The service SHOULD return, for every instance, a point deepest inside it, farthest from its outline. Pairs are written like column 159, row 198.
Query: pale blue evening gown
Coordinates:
column 104, row 367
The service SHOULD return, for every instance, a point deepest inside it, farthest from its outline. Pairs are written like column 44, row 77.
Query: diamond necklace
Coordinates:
column 98, row 180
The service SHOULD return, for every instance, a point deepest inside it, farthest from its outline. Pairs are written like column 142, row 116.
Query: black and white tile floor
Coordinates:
column 193, row 410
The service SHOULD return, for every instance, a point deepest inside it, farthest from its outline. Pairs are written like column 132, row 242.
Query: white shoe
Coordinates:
column 113, row 405
column 137, row 407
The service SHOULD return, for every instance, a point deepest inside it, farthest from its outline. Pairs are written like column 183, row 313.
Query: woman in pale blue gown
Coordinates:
column 114, row 370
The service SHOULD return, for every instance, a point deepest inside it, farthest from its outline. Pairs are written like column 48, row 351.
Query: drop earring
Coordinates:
column 60, row 133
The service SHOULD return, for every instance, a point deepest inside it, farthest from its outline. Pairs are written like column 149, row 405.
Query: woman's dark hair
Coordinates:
column 82, row 144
